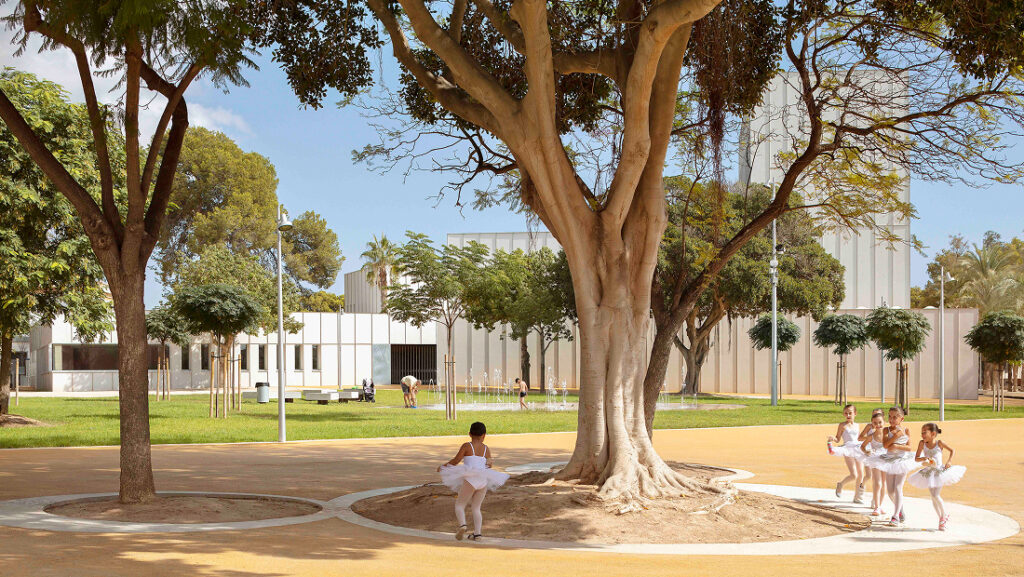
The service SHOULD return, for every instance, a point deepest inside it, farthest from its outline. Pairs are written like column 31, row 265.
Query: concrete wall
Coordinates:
column 873, row 272
column 360, row 295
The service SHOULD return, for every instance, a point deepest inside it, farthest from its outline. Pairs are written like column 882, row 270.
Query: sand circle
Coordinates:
column 185, row 509
column 533, row 506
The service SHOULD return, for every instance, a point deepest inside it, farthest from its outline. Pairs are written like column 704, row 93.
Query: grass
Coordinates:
column 184, row 419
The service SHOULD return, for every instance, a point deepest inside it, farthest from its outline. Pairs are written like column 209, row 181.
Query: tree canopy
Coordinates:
column 787, row 335
column 220, row 309
column 223, row 195
column 844, row 333
column 998, row 337
column 165, row 325
column 322, row 302
column 899, row 333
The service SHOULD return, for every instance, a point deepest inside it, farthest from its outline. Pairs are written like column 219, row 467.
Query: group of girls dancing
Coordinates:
column 885, row 455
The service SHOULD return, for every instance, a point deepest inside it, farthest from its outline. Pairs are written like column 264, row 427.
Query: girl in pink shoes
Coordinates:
column 849, row 450
column 935, row 475
column 896, row 462
column 871, row 446
column 472, row 479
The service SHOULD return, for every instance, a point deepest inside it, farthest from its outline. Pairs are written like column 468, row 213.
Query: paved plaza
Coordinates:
column 322, row 471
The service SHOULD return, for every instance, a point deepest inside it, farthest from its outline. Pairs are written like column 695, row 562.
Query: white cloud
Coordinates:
column 217, row 118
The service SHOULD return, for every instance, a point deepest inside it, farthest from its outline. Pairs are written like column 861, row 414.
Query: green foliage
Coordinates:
column 220, row 309
column 322, row 302
column 846, row 333
column 380, row 263
column 48, row 267
column 440, row 281
column 220, row 265
column 787, row 334
column 998, row 337
column 900, row 333
column 224, row 196
column 164, row 324
column 529, row 291
column 810, row 280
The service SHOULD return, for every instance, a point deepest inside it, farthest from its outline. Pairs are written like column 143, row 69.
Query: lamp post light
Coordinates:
column 283, row 225
column 942, row 342
column 773, row 272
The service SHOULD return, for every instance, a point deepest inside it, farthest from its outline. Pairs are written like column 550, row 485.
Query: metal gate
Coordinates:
column 419, row 361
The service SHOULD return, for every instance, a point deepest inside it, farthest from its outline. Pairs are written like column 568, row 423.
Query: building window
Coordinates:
column 315, row 360
column 243, row 357
column 262, row 354
column 298, row 357
column 204, row 357
column 94, row 357
column 186, row 360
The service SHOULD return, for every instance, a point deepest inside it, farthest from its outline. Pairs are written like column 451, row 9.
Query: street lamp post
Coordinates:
column 773, row 268
column 283, row 225
column 942, row 342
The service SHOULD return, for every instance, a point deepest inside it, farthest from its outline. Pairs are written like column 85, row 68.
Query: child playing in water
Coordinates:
column 935, row 475
column 849, row 451
column 472, row 479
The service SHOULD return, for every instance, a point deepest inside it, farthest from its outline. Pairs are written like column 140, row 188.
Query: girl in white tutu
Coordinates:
column 896, row 462
column 935, row 475
column 472, row 479
column 849, row 450
column 871, row 445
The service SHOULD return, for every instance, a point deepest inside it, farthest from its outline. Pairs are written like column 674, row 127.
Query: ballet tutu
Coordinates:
column 893, row 463
column 851, row 450
column 932, row 477
column 452, row 476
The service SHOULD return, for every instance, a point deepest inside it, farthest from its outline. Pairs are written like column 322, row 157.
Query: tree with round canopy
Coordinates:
column 900, row 335
column 223, row 311
column 164, row 325
column 999, row 339
column 787, row 335
column 845, row 333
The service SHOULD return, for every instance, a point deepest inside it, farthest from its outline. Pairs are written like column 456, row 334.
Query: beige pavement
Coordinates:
column 786, row 455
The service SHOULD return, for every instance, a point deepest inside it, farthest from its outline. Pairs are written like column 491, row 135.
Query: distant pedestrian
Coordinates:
column 524, row 388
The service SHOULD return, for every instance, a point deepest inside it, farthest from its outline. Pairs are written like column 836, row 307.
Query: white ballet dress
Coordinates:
column 934, row 476
column 850, row 446
column 894, row 461
column 875, row 448
column 474, row 471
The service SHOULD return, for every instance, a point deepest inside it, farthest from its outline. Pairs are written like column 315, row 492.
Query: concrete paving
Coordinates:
column 783, row 455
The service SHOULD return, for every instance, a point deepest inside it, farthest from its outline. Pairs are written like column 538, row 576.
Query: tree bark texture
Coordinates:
column 136, row 484
column 6, row 354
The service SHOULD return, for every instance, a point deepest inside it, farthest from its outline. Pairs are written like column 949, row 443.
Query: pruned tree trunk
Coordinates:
column 133, row 388
column 6, row 354
column 524, row 362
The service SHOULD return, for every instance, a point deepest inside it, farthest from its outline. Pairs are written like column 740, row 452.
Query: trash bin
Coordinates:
column 262, row 392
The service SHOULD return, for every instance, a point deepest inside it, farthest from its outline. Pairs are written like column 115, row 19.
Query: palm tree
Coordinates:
column 380, row 263
column 987, row 280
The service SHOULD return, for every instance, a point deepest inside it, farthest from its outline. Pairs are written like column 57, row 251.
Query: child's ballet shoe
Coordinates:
column 460, row 533
column 894, row 522
column 475, row 537
column 942, row 523
column 858, row 495
column 839, row 490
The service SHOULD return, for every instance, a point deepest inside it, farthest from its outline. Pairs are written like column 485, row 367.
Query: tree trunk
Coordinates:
column 613, row 448
column 543, row 365
column 136, row 483
column 524, row 362
column 657, row 368
column 6, row 353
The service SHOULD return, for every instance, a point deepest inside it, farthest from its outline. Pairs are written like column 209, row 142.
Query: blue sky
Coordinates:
column 311, row 150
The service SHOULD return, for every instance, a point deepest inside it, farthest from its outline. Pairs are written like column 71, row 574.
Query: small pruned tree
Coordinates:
column 440, row 282
column 899, row 334
column 845, row 333
column 761, row 335
column 999, row 339
column 165, row 326
column 223, row 311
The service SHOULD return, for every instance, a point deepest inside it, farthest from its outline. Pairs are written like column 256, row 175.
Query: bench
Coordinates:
column 321, row 397
column 289, row 396
column 346, row 395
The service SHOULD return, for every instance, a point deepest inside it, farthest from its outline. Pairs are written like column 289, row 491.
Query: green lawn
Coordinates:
column 184, row 419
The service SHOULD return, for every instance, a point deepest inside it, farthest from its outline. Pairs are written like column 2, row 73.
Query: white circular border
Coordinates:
column 30, row 514
column 968, row 525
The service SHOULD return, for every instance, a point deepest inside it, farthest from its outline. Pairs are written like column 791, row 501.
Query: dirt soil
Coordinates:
column 19, row 421
column 534, row 506
column 185, row 509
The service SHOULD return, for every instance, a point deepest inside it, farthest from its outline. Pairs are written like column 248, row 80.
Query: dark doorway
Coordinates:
column 419, row 361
